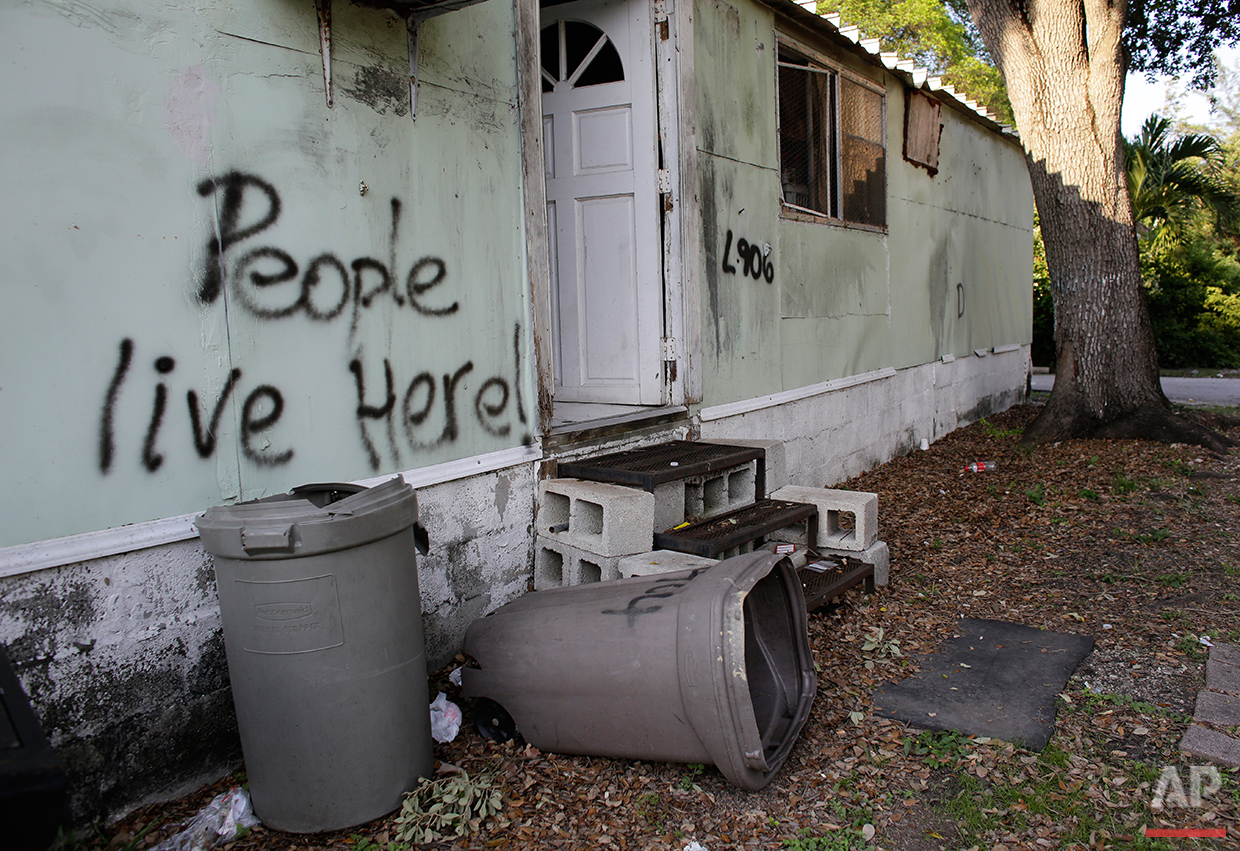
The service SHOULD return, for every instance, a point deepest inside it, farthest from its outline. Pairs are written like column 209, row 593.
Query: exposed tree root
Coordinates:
column 1063, row 418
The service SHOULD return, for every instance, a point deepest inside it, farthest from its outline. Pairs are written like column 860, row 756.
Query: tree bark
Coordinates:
column 1064, row 66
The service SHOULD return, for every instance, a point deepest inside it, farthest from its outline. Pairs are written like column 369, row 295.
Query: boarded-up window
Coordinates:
column 864, row 165
column 922, row 129
column 832, row 153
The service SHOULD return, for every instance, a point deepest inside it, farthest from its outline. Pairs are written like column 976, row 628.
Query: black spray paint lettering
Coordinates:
column 756, row 259
column 660, row 590
column 417, row 402
column 492, row 402
column 254, row 423
column 246, row 206
column 232, row 190
column 107, row 437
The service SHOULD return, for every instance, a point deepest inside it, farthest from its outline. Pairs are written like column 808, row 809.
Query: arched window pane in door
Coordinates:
column 589, row 57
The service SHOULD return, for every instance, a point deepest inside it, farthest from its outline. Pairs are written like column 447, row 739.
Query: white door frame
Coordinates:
column 682, row 219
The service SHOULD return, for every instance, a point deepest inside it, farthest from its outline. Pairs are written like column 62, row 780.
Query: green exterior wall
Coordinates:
column 951, row 274
column 135, row 134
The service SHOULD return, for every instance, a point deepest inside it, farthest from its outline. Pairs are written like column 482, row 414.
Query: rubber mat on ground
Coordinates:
column 993, row 678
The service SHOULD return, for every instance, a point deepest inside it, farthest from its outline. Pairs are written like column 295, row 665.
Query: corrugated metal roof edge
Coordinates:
column 850, row 37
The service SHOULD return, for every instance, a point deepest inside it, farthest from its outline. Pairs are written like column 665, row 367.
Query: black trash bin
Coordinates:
column 322, row 625
column 711, row 665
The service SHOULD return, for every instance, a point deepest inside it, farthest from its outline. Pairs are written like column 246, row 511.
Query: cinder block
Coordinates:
column 707, row 496
column 876, row 554
column 669, row 505
column 831, row 504
column 776, row 459
column 661, row 561
column 557, row 564
column 609, row 520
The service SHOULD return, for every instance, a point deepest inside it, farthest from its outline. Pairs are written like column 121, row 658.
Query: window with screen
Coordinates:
column 832, row 152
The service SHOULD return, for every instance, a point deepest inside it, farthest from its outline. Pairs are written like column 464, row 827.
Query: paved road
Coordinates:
column 1186, row 391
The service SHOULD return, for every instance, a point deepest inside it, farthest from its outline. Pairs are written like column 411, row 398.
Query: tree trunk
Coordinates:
column 1064, row 67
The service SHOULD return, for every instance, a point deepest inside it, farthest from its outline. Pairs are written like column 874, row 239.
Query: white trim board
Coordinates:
column 746, row 406
column 57, row 552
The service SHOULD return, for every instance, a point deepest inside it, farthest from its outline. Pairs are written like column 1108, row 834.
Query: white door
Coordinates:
column 602, row 201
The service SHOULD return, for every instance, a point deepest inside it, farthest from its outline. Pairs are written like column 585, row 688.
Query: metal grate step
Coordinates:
column 748, row 525
column 666, row 462
column 823, row 585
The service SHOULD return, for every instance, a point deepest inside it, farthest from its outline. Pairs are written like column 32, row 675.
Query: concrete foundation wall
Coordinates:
column 838, row 433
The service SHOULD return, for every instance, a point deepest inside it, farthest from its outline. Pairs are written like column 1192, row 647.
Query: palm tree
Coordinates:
column 1170, row 178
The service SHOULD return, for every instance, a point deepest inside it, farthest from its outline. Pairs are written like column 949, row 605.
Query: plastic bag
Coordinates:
column 218, row 822
column 445, row 719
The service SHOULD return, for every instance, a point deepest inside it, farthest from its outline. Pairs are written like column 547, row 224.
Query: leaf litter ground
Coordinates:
column 1132, row 542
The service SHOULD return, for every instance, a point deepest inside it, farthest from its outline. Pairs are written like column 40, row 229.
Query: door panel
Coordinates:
column 607, row 276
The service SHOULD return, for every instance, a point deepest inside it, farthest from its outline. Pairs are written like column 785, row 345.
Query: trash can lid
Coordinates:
column 312, row 519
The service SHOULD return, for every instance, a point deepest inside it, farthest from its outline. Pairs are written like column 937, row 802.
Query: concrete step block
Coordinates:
column 719, row 493
column 661, row 561
column 831, row 504
column 605, row 519
column 669, row 505
column 876, row 554
column 558, row 564
column 776, row 459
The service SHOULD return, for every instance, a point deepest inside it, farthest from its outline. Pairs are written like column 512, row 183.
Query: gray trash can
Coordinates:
column 322, row 624
column 711, row 665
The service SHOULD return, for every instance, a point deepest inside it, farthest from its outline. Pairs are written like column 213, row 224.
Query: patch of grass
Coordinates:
column 937, row 748
column 1036, row 494
column 839, row 840
column 1086, row 493
column 1095, row 700
column 690, row 781
column 1171, row 580
column 1155, row 537
column 654, row 810
column 1231, row 569
column 1122, row 485
column 879, row 649
column 996, row 433
column 1092, row 462
column 1179, row 467
column 1191, row 647
column 1046, row 788
column 1234, row 498
column 1172, row 615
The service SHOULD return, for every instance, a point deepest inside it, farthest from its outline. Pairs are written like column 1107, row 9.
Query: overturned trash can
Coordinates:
column 709, row 665
column 322, row 621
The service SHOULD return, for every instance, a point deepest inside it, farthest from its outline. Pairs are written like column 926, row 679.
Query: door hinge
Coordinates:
column 660, row 19
column 669, row 349
column 664, row 178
